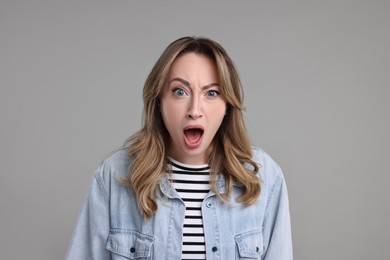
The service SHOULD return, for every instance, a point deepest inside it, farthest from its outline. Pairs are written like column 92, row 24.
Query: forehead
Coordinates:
column 194, row 65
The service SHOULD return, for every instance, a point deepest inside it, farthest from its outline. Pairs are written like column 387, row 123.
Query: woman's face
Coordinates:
column 192, row 107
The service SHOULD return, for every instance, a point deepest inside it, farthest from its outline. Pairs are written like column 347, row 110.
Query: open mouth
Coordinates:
column 193, row 136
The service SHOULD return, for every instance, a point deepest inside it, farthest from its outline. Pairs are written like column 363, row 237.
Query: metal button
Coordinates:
column 209, row 204
column 132, row 250
column 214, row 249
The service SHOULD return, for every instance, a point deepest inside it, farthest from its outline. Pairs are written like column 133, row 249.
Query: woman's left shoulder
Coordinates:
column 268, row 167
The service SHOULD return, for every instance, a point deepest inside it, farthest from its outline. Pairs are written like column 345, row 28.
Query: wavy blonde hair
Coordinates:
column 230, row 148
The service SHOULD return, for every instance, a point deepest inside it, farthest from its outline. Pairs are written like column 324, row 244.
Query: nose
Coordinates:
column 194, row 110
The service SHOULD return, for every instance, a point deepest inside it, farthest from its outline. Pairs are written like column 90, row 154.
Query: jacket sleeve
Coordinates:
column 91, row 233
column 277, row 226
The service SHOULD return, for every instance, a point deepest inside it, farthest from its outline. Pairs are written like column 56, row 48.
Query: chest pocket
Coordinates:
column 129, row 244
column 249, row 244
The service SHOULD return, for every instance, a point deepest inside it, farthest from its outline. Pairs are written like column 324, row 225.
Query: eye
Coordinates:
column 179, row 92
column 212, row 93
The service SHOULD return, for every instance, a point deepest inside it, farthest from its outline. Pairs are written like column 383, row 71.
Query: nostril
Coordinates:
column 194, row 115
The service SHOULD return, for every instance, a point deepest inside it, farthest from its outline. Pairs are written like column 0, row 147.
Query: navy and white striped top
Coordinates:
column 192, row 182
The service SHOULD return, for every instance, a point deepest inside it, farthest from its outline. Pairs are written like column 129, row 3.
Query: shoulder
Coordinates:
column 269, row 170
column 114, row 166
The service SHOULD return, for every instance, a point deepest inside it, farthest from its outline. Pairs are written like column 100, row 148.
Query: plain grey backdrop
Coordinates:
column 316, row 81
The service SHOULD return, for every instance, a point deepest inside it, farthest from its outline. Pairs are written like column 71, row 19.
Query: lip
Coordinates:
column 190, row 143
column 193, row 127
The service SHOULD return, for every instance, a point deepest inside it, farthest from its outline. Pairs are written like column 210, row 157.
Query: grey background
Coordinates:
column 316, row 78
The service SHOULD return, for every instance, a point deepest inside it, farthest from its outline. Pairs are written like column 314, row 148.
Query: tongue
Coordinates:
column 193, row 135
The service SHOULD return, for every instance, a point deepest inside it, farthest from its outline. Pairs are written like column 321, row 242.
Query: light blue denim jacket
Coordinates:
column 110, row 225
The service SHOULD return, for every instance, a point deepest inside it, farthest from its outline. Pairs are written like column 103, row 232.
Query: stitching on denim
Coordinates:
column 102, row 188
column 243, row 250
column 146, row 239
column 216, row 227
column 277, row 182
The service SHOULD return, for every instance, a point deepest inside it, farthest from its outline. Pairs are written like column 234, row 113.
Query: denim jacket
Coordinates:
column 110, row 225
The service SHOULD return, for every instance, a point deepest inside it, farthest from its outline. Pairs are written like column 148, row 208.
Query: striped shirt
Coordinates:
column 192, row 183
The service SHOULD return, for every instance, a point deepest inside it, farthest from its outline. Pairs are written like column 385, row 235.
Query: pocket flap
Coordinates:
column 129, row 243
column 250, row 244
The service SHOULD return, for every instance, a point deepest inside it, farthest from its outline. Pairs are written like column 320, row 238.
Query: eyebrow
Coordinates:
column 188, row 84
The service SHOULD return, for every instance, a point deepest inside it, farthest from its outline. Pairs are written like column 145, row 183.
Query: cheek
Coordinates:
column 217, row 117
column 218, row 111
column 169, row 115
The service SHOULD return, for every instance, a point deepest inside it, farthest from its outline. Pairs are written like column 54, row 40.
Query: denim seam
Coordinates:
column 278, row 181
column 216, row 229
column 102, row 188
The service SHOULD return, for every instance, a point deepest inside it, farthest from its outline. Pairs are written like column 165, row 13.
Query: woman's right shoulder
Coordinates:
column 114, row 166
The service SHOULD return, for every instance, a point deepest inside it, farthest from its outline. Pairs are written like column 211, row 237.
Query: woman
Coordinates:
column 188, row 185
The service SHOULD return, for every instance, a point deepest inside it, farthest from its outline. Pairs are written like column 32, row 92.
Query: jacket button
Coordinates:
column 214, row 249
column 209, row 204
column 132, row 250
